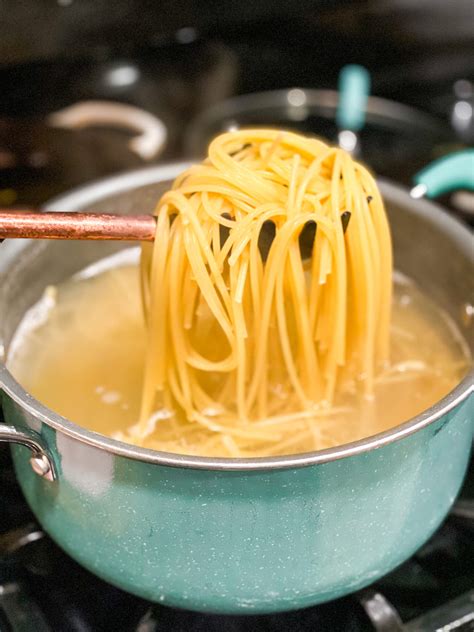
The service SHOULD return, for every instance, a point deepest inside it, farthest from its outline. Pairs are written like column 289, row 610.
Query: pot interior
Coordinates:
column 430, row 247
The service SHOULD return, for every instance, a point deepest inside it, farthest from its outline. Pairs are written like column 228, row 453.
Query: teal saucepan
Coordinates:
column 229, row 535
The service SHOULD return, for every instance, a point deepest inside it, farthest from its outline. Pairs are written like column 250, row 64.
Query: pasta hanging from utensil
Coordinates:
column 267, row 289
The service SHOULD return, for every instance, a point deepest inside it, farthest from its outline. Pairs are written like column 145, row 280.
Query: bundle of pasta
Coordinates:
column 267, row 292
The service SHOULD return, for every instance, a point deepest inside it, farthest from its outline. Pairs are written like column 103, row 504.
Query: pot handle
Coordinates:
column 455, row 171
column 354, row 88
column 41, row 462
column 151, row 136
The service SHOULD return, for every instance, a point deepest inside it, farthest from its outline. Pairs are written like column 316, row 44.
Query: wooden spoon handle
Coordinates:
column 23, row 224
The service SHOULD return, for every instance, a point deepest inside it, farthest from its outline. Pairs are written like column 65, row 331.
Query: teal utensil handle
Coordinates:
column 354, row 88
column 455, row 171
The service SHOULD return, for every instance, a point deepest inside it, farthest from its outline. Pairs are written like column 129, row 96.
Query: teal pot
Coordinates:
column 237, row 535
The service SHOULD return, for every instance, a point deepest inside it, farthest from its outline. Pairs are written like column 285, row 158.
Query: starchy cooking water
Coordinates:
column 81, row 351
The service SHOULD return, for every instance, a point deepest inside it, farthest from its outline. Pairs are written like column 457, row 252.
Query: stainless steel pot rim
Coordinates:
column 83, row 196
column 321, row 101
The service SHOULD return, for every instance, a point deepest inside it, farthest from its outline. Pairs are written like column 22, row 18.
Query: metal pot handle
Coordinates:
column 152, row 132
column 354, row 89
column 455, row 171
column 41, row 462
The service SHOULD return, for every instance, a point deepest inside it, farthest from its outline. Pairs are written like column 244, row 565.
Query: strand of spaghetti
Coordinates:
column 285, row 342
column 247, row 432
column 385, row 260
column 215, row 213
column 249, row 335
column 237, row 278
column 206, row 286
column 341, row 265
column 272, row 269
column 155, row 360
column 310, row 369
column 242, row 234
column 291, row 209
column 176, row 271
column 268, row 149
column 366, row 278
column 373, row 253
column 242, row 177
column 190, row 219
column 304, row 414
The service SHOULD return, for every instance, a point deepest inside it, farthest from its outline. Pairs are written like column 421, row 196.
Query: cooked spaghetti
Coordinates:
column 270, row 326
column 243, row 337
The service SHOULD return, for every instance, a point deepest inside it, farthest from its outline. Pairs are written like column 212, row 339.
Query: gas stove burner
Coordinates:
column 457, row 614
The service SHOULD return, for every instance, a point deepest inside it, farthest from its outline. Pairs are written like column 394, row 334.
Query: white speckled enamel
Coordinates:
column 249, row 541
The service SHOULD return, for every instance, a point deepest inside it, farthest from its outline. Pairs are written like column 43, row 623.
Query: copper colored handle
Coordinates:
column 22, row 224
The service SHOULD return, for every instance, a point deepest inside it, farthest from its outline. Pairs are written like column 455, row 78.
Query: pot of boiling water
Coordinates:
column 239, row 535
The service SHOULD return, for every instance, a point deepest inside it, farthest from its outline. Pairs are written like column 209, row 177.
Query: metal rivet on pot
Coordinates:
column 40, row 465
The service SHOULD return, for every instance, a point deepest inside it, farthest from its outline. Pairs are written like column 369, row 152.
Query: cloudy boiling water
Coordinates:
column 81, row 350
